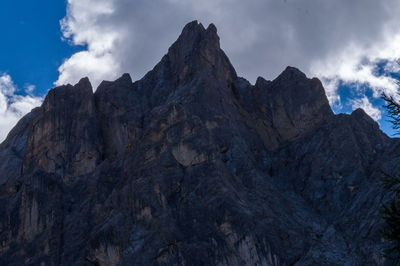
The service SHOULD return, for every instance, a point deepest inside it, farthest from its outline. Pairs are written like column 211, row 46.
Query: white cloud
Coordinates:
column 357, row 66
column 12, row 105
column 29, row 88
column 367, row 106
column 88, row 63
column 86, row 24
column 335, row 40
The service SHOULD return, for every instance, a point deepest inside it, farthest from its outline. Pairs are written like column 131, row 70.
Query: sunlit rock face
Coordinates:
column 193, row 165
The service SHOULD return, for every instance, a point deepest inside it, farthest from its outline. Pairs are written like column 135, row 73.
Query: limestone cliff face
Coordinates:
column 193, row 165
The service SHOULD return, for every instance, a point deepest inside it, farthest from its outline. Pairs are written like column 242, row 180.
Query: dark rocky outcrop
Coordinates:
column 65, row 137
column 193, row 165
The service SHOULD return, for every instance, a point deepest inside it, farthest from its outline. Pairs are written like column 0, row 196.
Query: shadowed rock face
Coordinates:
column 192, row 165
column 65, row 136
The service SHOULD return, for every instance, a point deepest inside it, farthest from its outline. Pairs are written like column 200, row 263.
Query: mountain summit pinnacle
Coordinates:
column 198, row 50
column 194, row 57
column 195, row 32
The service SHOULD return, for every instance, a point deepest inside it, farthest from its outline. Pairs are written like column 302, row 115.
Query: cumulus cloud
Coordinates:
column 338, row 41
column 12, row 105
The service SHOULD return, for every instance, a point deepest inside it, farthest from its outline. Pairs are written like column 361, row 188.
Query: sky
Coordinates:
column 352, row 46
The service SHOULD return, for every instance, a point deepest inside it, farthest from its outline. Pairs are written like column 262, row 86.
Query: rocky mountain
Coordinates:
column 193, row 165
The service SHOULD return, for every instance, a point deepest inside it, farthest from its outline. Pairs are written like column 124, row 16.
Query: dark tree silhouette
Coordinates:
column 391, row 211
column 393, row 109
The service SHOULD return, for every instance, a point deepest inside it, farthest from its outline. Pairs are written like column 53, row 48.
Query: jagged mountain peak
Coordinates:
column 359, row 112
column 198, row 49
column 125, row 79
column 361, row 115
column 195, row 57
column 84, row 83
column 292, row 73
column 59, row 96
column 194, row 33
column 292, row 103
column 262, row 82
column 192, row 165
